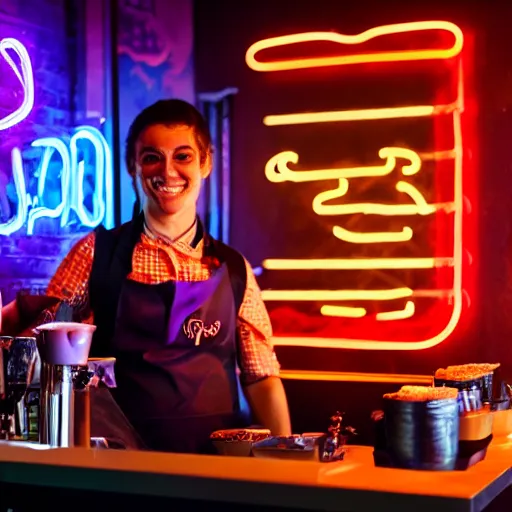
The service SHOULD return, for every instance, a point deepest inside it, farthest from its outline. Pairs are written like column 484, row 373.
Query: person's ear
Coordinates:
column 206, row 167
column 131, row 167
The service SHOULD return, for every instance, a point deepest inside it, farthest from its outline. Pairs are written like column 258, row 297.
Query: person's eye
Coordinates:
column 183, row 157
column 150, row 158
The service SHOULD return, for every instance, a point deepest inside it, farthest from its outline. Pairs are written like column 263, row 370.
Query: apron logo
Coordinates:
column 194, row 328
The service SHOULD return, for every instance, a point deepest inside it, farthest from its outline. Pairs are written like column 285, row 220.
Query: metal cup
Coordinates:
column 471, row 393
column 422, row 435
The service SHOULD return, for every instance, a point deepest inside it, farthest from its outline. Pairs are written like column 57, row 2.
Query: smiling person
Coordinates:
column 181, row 312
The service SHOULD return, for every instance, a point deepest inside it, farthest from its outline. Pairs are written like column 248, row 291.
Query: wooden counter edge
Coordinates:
column 18, row 466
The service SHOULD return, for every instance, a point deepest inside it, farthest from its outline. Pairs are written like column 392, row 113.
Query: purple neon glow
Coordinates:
column 24, row 74
column 30, row 208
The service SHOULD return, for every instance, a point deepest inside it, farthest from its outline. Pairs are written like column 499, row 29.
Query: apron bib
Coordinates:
column 176, row 369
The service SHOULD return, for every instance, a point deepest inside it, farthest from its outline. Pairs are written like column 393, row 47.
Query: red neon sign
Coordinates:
column 418, row 254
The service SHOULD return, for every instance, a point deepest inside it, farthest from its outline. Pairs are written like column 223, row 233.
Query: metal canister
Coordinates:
column 82, row 423
column 422, row 435
column 472, row 393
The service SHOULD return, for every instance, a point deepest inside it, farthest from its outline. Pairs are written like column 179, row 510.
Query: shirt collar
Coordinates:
column 192, row 238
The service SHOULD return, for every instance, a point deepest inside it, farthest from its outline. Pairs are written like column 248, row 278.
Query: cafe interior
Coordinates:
column 360, row 166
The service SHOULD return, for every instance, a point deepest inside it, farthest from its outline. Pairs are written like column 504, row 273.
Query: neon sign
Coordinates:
column 72, row 173
column 25, row 77
column 364, row 37
column 398, row 167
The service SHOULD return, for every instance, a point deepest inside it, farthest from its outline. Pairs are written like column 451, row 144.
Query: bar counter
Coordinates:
column 247, row 483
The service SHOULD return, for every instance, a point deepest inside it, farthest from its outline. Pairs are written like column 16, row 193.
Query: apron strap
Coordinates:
column 112, row 263
column 236, row 267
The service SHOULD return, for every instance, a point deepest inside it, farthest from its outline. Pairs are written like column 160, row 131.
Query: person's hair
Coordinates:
column 169, row 113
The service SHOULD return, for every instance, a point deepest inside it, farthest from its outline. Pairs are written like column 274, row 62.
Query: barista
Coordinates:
column 181, row 312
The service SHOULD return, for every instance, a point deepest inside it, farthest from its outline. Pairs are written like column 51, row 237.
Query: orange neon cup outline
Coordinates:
column 342, row 343
column 454, row 110
column 344, row 39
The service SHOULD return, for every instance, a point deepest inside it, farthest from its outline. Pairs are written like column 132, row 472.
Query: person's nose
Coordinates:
column 171, row 168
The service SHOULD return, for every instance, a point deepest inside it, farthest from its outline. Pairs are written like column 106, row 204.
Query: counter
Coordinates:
column 352, row 485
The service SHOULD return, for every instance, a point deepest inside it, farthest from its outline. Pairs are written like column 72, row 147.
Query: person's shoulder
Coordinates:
column 82, row 249
column 115, row 230
column 125, row 232
column 86, row 243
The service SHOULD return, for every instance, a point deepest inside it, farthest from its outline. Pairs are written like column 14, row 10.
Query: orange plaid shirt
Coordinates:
column 155, row 261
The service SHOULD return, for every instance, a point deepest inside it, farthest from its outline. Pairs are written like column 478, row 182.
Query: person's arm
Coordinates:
column 70, row 284
column 25, row 312
column 259, row 366
column 268, row 402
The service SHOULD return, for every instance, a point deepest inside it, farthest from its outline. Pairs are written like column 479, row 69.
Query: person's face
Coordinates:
column 169, row 168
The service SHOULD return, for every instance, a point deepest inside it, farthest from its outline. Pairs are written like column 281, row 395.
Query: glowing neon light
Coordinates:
column 51, row 144
column 30, row 208
column 420, row 206
column 72, row 174
column 103, row 180
column 24, row 200
column 407, row 312
column 329, row 295
column 350, row 312
column 356, row 377
column 357, row 263
column 355, row 115
column 277, row 171
column 25, row 77
column 372, row 238
column 455, row 293
column 343, row 39
column 343, row 311
column 338, row 295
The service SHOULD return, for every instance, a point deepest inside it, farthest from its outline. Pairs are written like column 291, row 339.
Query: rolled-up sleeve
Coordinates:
column 257, row 356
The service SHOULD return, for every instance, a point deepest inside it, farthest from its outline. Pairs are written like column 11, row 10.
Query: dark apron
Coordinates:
column 174, row 391
column 176, row 368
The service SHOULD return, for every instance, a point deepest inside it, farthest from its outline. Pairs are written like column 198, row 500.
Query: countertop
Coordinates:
column 350, row 485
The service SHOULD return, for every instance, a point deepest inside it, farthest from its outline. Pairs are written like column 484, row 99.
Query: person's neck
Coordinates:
column 171, row 227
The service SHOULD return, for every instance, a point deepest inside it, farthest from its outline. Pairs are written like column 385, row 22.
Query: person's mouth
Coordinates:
column 170, row 187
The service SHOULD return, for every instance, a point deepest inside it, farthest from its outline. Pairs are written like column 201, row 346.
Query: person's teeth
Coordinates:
column 159, row 184
column 173, row 189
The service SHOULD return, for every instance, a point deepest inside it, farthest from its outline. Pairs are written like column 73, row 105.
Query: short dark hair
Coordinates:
column 169, row 113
